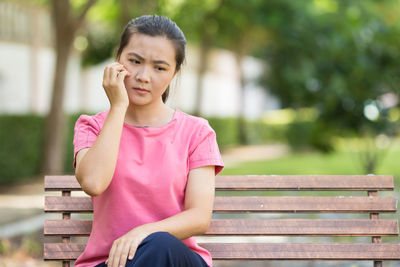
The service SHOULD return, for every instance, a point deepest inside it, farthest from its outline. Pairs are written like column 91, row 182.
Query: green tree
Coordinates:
column 339, row 57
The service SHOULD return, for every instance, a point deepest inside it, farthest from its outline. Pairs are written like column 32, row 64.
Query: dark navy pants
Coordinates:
column 162, row 249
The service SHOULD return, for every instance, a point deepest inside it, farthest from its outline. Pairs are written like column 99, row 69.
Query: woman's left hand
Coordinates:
column 125, row 247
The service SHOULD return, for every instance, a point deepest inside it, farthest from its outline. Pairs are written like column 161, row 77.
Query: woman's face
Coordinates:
column 151, row 62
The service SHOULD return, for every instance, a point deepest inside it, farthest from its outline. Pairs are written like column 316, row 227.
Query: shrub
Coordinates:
column 226, row 130
column 21, row 142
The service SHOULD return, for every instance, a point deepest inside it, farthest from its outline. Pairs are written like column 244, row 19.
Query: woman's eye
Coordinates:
column 134, row 61
column 160, row 68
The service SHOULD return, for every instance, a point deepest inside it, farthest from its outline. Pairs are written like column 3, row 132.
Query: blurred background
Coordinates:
column 289, row 86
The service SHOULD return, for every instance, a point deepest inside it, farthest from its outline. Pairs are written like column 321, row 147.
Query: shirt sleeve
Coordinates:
column 206, row 151
column 85, row 133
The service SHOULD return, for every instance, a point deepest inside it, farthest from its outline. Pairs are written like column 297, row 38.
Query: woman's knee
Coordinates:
column 161, row 241
column 164, row 249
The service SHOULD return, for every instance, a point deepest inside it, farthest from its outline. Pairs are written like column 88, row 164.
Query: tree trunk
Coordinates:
column 65, row 29
column 55, row 122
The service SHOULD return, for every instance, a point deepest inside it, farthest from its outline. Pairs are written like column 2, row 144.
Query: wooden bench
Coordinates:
column 261, row 215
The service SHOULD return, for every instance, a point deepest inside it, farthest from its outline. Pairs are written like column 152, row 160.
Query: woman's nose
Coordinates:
column 142, row 75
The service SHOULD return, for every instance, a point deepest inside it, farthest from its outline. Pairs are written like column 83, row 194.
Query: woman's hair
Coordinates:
column 155, row 25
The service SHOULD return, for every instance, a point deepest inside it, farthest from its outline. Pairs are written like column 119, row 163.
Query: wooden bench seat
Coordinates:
column 250, row 210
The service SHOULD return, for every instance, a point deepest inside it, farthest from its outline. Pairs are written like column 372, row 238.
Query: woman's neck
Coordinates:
column 155, row 115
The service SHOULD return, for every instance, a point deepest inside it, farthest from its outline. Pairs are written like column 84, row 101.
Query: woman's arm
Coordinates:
column 95, row 166
column 194, row 220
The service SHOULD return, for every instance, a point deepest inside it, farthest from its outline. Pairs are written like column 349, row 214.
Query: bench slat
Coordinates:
column 304, row 227
column 67, row 204
column 305, row 204
column 265, row 182
column 62, row 251
column 61, row 182
column 305, row 182
column 255, row 204
column 67, row 227
column 296, row 251
column 251, row 251
column 283, row 227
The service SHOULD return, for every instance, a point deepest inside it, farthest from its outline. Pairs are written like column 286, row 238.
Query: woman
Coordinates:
column 149, row 169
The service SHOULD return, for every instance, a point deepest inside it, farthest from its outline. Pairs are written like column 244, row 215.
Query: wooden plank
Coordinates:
column 280, row 227
column 258, row 251
column 67, row 204
column 304, row 251
column 255, row 204
column 304, row 182
column 62, row 251
column 305, row 204
column 266, row 182
column 304, row 227
column 61, row 182
column 67, row 227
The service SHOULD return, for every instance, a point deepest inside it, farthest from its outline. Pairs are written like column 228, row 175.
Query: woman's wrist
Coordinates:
column 144, row 230
column 119, row 108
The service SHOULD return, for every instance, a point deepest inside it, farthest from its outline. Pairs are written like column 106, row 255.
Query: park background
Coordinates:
column 290, row 87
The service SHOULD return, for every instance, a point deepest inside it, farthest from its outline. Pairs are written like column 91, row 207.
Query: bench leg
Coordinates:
column 378, row 263
column 65, row 264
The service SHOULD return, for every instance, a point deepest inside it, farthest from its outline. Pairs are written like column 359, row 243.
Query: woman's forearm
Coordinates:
column 96, row 168
column 183, row 225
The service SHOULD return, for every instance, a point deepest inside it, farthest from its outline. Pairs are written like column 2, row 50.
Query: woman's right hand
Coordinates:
column 113, row 84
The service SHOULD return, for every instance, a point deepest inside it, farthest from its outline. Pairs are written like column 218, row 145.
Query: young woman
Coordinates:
column 150, row 169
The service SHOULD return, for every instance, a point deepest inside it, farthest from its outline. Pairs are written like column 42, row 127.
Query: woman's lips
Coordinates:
column 140, row 90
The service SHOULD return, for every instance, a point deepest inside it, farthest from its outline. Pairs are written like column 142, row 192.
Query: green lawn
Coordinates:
column 342, row 162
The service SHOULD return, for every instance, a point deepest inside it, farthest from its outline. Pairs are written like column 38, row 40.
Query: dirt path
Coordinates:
column 241, row 154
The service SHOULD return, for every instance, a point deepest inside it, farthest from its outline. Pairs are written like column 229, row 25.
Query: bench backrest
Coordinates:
column 244, row 206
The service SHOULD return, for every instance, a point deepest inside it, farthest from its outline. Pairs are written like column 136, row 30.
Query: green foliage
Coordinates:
column 259, row 132
column 299, row 135
column 101, row 47
column 226, row 131
column 21, row 142
column 338, row 58
column 106, row 21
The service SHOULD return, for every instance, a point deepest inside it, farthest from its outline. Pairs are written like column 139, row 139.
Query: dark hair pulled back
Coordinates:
column 155, row 25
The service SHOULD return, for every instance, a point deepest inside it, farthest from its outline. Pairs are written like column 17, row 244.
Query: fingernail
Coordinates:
column 130, row 257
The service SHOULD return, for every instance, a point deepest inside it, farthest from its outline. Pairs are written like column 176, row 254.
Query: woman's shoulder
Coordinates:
column 94, row 120
column 192, row 121
column 195, row 126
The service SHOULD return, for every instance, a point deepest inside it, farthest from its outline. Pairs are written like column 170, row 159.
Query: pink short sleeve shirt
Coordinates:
column 150, row 177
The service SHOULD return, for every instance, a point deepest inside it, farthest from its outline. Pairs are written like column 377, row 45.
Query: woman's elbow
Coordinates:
column 203, row 225
column 92, row 189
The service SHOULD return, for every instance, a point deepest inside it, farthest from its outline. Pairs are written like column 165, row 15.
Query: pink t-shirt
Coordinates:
column 149, row 179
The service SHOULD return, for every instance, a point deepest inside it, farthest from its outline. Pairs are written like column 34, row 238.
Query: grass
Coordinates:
column 343, row 161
